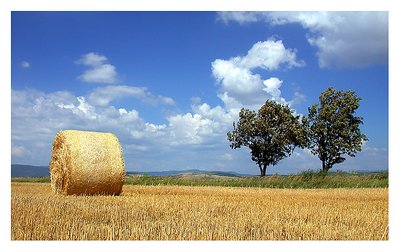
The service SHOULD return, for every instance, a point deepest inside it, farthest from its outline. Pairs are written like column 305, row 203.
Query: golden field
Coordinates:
column 200, row 213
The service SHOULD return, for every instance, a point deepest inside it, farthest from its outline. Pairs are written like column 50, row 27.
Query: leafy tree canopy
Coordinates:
column 333, row 128
column 271, row 134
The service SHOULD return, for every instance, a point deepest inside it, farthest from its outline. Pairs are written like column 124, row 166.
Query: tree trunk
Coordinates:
column 325, row 166
column 263, row 170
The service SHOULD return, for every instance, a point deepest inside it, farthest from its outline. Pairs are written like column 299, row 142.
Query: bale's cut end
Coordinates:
column 86, row 163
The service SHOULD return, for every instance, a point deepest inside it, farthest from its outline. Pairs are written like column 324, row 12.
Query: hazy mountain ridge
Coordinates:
column 18, row 170
column 23, row 171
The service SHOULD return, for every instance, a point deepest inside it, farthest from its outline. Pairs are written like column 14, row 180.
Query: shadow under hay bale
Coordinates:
column 86, row 163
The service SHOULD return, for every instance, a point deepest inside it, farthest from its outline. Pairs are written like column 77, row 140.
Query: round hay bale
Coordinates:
column 86, row 163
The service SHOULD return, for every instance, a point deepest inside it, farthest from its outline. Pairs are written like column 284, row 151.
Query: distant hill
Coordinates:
column 192, row 171
column 20, row 171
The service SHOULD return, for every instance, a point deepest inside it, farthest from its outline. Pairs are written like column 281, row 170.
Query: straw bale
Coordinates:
column 86, row 163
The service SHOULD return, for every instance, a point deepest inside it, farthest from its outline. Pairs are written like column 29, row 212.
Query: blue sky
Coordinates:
column 170, row 84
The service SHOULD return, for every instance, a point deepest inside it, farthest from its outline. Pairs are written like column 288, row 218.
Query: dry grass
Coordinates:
column 200, row 213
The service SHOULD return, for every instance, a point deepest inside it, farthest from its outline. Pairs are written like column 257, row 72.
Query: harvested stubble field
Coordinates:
column 200, row 213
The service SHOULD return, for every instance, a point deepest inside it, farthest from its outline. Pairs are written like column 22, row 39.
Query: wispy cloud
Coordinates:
column 297, row 98
column 19, row 151
column 241, row 17
column 25, row 64
column 102, row 96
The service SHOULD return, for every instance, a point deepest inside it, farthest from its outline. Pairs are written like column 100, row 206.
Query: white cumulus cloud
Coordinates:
column 235, row 78
column 92, row 59
column 37, row 116
column 188, row 128
column 100, row 74
column 99, row 70
column 343, row 39
column 239, row 85
column 272, row 86
column 270, row 55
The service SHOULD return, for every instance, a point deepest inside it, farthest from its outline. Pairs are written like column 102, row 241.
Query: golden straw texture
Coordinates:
column 87, row 163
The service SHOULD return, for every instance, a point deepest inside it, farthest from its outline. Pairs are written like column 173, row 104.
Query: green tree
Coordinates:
column 333, row 128
column 271, row 134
